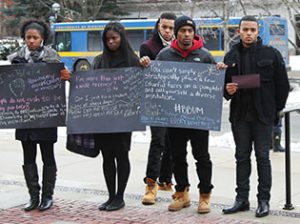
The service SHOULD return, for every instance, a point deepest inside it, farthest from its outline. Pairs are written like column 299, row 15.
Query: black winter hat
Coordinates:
column 183, row 21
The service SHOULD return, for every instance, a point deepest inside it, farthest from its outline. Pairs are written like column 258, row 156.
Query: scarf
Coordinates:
column 35, row 55
column 164, row 42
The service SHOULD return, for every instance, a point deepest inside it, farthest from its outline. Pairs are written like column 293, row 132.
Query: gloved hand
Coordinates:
column 65, row 74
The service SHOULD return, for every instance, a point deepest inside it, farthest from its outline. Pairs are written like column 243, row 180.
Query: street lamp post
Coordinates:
column 55, row 9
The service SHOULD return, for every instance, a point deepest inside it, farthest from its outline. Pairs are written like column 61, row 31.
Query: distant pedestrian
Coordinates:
column 254, row 111
column 159, row 163
column 276, row 137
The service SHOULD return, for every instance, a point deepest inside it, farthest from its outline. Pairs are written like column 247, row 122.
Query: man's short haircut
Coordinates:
column 248, row 18
column 167, row 15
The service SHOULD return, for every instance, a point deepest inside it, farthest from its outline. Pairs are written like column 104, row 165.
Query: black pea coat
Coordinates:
column 37, row 134
column 271, row 97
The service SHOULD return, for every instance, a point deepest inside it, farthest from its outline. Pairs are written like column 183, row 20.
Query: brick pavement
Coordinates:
column 78, row 212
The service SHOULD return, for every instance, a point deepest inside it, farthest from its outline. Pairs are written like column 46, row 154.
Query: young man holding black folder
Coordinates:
column 254, row 109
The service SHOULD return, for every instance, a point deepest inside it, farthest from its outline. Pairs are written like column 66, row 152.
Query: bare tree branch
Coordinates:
column 293, row 22
column 98, row 8
column 45, row 4
column 243, row 7
column 261, row 6
column 294, row 45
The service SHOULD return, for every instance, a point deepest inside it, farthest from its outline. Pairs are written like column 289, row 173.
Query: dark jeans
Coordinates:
column 245, row 134
column 178, row 138
column 159, row 160
column 166, row 166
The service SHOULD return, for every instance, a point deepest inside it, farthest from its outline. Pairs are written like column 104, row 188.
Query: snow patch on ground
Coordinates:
column 294, row 62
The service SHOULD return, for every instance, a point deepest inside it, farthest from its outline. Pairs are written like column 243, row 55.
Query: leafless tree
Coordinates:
column 89, row 8
column 82, row 10
column 293, row 7
column 224, row 12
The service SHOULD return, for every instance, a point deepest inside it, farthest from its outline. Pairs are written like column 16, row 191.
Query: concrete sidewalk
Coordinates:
column 81, row 188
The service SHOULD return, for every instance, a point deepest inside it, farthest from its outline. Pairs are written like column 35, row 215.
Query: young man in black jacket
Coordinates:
column 254, row 111
column 159, row 161
column 188, row 47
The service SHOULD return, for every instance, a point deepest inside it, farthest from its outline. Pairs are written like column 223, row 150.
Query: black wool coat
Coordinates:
column 272, row 94
column 37, row 134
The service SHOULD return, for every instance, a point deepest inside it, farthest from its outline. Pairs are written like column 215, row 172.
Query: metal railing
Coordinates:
column 286, row 114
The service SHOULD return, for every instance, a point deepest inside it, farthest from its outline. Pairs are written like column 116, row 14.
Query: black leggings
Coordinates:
column 47, row 152
column 115, row 148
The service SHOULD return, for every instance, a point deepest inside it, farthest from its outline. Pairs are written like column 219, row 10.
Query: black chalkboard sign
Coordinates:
column 185, row 95
column 105, row 101
column 32, row 96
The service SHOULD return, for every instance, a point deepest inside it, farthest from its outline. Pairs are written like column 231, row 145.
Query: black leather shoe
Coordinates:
column 262, row 209
column 237, row 206
column 105, row 204
column 116, row 204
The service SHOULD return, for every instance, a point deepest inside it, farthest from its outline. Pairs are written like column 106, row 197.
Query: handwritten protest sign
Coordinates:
column 185, row 95
column 105, row 101
column 32, row 96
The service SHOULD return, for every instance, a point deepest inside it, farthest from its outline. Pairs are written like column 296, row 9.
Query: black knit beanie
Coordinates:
column 183, row 21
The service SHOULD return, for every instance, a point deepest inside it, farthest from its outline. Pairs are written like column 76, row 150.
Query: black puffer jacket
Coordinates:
column 200, row 54
column 271, row 97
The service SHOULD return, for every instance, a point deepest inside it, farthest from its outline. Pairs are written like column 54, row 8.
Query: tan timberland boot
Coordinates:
column 204, row 203
column 151, row 191
column 164, row 186
column 181, row 200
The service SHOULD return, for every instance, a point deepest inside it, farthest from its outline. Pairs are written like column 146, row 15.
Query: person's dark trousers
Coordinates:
column 277, row 128
column 245, row 133
column 178, row 138
column 156, row 148
column 276, row 138
column 115, row 150
column 166, row 166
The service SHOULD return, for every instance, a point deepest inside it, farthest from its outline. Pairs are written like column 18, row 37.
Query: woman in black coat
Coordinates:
column 35, row 33
column 115, row 146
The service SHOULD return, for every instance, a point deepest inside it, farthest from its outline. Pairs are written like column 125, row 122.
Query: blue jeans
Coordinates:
column 246, row 134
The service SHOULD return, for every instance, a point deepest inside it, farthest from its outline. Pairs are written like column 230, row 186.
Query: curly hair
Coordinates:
column 35, row 24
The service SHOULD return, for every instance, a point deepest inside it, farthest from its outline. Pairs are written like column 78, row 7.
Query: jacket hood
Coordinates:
column 155, row 30
column 197, row 43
